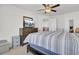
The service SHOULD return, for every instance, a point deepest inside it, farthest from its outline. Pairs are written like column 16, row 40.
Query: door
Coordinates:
column 71, row 30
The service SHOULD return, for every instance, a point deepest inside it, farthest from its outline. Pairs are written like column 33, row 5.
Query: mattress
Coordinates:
column 59, row 42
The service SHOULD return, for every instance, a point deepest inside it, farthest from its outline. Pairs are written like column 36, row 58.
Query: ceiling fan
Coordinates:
column 48, row 8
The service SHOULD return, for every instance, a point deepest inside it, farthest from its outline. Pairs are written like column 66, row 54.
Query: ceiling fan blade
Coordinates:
column 53, row 10
column 44, row 5
column 55, row 6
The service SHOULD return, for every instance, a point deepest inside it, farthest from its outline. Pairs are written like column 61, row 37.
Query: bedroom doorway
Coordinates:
column 71, row 26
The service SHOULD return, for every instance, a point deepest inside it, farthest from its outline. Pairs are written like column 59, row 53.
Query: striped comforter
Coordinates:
column 59, row 42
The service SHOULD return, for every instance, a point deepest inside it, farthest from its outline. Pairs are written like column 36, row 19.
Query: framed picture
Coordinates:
column 28, row 22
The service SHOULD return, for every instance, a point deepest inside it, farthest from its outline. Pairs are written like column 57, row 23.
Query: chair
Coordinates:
column 4, row 46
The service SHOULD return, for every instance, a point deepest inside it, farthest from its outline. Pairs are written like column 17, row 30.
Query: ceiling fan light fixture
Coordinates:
column 48, row 10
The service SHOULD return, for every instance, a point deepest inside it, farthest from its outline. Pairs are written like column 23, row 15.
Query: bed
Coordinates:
column 53, row 43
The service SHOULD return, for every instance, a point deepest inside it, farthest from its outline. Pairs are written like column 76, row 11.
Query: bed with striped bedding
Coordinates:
column 59, row 42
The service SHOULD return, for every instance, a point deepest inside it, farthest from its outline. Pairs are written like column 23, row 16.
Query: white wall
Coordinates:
column 63, row 20
column 58, row 21
column 50, row 22
column 11, row 19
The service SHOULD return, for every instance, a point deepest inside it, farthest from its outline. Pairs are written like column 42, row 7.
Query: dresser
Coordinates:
column 23, row 32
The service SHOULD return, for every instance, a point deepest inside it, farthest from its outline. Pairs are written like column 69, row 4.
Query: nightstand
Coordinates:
column 15, row 41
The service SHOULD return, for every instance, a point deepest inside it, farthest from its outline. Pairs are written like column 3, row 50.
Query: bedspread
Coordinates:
column 57, row 41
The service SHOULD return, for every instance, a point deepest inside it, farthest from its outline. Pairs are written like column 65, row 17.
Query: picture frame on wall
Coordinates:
column 28, row 22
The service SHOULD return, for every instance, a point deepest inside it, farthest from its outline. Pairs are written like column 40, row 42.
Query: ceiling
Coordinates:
column 63, row 8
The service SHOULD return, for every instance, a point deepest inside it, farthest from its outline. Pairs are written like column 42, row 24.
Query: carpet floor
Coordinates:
column 21, row 50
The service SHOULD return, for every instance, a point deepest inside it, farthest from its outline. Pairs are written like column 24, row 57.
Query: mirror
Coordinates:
column 28, row 22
